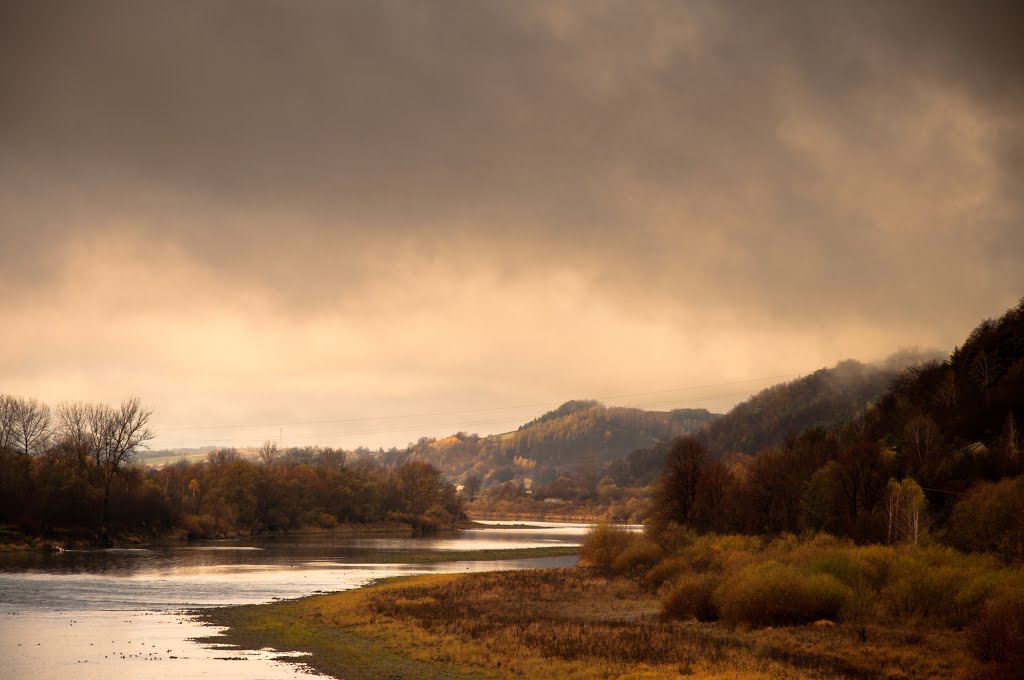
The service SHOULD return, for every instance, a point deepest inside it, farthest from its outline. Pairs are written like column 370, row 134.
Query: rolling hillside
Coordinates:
column 577, row 436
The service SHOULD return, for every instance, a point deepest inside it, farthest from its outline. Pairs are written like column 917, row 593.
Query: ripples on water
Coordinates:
column 113, row 614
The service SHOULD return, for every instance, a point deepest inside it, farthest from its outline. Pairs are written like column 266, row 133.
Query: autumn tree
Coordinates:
column 420, row 486
column 715, row 502
column 676, row 489
column 471, row 486
column 858, row 469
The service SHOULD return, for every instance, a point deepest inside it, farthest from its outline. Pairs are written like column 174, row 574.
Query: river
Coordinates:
column 121, row 614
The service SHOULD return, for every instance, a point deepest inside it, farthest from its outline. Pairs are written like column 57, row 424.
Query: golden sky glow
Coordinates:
column 271, row 212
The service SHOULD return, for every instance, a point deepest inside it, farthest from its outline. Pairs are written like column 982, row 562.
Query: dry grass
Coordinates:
column 576, row 624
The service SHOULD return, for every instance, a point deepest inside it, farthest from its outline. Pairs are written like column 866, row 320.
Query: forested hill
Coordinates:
column 941, row 446
column 575, row 436
column 825, row 398
column 957, row 421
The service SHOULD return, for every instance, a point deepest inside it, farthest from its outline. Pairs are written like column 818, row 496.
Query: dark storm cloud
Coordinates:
column 790, row 157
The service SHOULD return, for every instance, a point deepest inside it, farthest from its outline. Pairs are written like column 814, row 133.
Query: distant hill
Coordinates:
column 577, row 436
column 825, row 398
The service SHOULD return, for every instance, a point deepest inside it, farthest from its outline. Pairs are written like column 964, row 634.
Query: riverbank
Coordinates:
column 564, row 623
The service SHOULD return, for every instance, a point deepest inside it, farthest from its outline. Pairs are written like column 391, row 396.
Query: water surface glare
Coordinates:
column 119, row 614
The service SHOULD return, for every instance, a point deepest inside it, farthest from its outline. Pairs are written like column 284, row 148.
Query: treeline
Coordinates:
column 72, row 471
column 940, row 453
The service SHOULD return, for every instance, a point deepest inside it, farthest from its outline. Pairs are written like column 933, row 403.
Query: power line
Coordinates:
column 479, row 410
column 458, row 425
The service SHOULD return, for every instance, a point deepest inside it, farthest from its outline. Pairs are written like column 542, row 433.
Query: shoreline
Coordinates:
column 58, row 541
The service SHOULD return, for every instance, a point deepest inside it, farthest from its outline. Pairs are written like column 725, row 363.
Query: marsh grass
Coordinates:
column 711, row 606
column 566, row 623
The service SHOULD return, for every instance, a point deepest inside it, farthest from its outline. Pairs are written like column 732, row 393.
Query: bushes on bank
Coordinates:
column 667, row 570
column 770, row 594
column 603, row 544
column 998, row 633
column 638, row 557
column 796, row 581
column 691, row 596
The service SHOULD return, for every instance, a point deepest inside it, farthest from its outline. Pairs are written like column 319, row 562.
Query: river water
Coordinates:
column 120, row 614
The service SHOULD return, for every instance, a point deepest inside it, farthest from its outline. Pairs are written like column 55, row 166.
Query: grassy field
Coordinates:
column 568, row 623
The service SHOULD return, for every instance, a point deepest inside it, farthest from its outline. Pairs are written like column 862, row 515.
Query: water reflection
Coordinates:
column 110, row 614
column 285, row 551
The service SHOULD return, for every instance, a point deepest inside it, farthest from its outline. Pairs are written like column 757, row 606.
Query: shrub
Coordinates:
column 667, row 570
column 776, row 594
column 861, row 606
column 202, row 526
column 671, row 536
column 876, row 563
column 691, row 596
column 729, row 552
column 842, row 567
column 975, row 592
column 603, row 544
column 998, row 634
column 639, row 556
column 918, row 589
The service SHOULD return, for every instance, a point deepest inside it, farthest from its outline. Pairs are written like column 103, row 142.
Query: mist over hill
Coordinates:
column 825, row 398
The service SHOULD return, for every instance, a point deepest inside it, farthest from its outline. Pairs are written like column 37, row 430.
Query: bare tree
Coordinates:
column 8, row 438
column 118, row 432
column 894, row 494
column 269, row 452
column 75, row 437
column 922, row 437
column 31, row 425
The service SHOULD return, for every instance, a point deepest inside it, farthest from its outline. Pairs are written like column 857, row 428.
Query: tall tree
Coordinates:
column 118, row 432
column 8, row 431
column 31, row 425
column 676, row 490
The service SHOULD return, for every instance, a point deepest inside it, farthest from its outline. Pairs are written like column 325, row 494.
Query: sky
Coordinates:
column 347, row 223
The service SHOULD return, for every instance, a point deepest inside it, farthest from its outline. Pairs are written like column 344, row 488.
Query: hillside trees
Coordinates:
column 824, row 399
column 926, row 452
